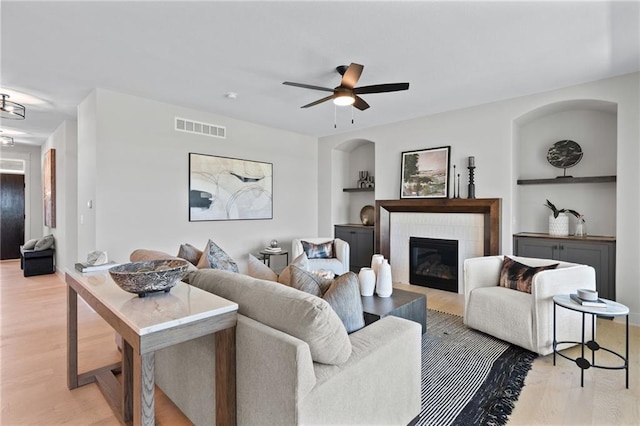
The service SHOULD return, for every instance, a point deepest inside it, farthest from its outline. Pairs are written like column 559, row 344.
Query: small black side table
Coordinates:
column 266, row 256
column 402, row 303
column 612, row 309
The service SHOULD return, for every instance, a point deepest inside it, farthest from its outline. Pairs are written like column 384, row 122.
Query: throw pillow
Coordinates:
column 518, row 276
column 190, row 253
column 344, row 297
column 318, row 251
column 215, row 258
column 257, row 269
column 44, row 243
column 30, row 245
column 301, row 262
column 341, row 293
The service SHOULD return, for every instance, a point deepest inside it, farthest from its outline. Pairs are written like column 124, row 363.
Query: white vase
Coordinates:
column 559, row 226
column 376, row 260
column 367, row 281
column 384, row 284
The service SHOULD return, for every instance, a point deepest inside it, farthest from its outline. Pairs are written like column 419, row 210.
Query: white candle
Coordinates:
column 472, row 161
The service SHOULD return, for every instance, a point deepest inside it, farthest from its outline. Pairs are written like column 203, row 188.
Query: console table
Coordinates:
column 146, row 325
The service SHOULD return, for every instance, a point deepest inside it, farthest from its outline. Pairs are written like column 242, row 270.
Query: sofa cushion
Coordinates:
column 518, row 276
column 342, row 294
column 302, row 262
column 144, row 255
column 215, row 258
column 44, row 243
column 257, row 269
column 190, row 253
column 318, row 251
column 30, row 245
column 304, row 316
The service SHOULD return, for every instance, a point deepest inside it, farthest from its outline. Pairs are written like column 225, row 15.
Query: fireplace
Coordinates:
column 434, row 263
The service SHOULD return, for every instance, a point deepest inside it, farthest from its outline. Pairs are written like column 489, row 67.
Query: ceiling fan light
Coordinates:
column 11, row 110
column 344, row 99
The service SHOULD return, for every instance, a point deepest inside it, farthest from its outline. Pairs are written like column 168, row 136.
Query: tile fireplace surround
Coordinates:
column 474, row 222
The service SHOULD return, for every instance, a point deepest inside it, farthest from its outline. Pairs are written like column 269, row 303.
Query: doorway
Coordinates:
column 12, row 214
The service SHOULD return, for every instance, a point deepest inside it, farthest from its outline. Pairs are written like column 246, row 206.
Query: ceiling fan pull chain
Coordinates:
column 351, row 115
column 335, row 117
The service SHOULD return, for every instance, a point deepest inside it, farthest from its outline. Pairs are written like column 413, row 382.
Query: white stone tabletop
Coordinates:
column 612, row 309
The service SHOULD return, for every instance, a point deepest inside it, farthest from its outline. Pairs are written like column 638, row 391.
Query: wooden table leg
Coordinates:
column 127, row 381
column 225, row 380
column 143, row 389
column 72, row 338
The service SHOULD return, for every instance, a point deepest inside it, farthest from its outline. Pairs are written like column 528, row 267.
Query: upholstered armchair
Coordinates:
column 524, row 319
column 339, row 264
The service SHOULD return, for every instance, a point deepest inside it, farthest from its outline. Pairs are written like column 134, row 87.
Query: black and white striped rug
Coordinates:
column 468, row 377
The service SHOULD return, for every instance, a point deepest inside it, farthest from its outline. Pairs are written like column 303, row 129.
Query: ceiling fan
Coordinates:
column 346, row 93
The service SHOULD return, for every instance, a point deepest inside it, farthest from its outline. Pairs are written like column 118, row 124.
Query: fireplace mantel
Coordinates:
column 489, row 207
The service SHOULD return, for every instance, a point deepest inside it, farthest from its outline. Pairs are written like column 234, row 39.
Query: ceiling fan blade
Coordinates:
column 351, row 75
column 381, row 88
column 319, row 101
column 307, row 86
column 360, row 104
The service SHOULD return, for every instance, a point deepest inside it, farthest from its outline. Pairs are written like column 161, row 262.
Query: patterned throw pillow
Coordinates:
column 318, row 251
column 342, row 294
column 190, row 253
column 45, row 243
column 215, row 258
column 518, row 276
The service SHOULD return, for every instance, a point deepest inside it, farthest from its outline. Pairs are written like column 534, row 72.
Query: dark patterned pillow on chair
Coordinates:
column 518, row 276
column 318, row 251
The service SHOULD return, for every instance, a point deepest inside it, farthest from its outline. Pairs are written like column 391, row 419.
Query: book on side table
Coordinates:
column 598, row 303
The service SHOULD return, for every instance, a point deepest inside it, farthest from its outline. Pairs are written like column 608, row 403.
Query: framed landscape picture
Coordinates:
column 425, row 173
column 222, row 188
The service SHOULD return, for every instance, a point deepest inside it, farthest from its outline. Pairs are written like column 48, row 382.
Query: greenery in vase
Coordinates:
column 556, row 211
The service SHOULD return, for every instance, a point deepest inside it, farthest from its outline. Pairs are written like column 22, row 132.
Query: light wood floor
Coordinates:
column 33, row 388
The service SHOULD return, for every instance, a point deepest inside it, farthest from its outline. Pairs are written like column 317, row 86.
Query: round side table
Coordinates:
column 613, row 309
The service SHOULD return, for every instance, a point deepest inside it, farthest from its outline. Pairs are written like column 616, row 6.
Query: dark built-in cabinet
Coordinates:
column 598, row 252
column 361, row 244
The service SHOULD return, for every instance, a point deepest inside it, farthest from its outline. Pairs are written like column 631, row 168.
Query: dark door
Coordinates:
column 11, row 215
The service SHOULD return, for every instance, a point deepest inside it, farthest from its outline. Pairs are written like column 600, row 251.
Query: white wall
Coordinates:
column 65, row 141
column 141, row 175
column 595, row 131
column 487, row 132
column 30, row 154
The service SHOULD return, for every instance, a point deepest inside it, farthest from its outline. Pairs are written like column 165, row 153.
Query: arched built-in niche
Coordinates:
column 591, row 123
column 348, row 159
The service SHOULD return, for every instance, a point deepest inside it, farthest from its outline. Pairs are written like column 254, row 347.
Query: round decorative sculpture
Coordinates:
column 367, row 216
column 273, row 244
column 149, row 277
column 564, row 154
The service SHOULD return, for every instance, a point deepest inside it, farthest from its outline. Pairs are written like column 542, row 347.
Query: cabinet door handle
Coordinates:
column 561, row 247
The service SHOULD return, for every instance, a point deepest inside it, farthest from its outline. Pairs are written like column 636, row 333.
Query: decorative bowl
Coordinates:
column 151, row 276
column 586, row 294
column 368, row 216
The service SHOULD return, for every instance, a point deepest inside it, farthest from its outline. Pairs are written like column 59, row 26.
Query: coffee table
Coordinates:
column 402, row 303
column 146, row 325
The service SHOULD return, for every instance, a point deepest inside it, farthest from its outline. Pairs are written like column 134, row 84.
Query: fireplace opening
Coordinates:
column 433, row 263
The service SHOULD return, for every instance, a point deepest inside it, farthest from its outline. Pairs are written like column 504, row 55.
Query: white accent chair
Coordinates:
column 339, row 264
column 521, row 318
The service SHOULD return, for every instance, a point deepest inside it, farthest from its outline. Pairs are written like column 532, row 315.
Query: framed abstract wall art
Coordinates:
column 425, row 173
column 222, row 188
column 49, row 188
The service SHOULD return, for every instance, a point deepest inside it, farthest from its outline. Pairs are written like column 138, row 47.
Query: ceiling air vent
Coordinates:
column 190, row 126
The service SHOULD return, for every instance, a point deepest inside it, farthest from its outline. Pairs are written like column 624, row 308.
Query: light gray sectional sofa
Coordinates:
column 296, row 364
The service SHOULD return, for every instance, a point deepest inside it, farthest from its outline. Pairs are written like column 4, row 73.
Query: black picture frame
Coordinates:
column 223, row 188
column 425, row 173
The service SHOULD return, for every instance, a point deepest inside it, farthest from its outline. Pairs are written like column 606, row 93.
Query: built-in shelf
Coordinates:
column 358, row 189
column 587, row 179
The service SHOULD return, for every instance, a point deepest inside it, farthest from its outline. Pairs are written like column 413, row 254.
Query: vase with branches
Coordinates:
column 559, row 221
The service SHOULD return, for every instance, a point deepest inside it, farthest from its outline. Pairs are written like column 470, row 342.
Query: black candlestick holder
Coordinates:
column 472, row 186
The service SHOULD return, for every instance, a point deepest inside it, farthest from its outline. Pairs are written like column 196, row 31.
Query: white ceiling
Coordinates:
column 454, row 54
